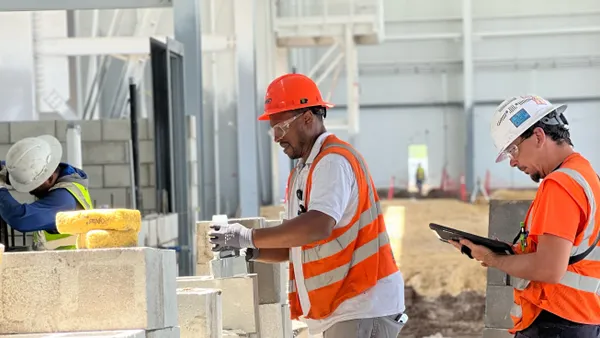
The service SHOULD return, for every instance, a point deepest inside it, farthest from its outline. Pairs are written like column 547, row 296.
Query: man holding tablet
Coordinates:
column 556, row 269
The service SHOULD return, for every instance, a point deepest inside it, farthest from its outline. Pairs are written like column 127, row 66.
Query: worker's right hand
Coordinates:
column 230, row 236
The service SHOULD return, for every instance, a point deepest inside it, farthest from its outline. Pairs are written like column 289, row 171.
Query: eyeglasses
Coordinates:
column 279, row 130
column 512, row 151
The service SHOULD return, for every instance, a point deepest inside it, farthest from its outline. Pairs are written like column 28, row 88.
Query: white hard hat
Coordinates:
column 514, row 116
column 31, row 161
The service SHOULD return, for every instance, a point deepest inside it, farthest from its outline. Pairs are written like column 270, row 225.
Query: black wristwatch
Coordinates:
column 251, row 254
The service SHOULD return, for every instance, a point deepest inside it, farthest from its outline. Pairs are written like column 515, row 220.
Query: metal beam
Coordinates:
column 352, row 91
column 54, row 5
column 127, row 45
column 245, row 55
column 468, row 79
column 186, row 18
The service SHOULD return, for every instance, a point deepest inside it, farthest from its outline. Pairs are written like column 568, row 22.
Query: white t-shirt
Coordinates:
column 334, row 192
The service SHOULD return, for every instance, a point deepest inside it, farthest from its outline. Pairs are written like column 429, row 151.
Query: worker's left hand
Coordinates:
column 479, row 252
column 230, row 236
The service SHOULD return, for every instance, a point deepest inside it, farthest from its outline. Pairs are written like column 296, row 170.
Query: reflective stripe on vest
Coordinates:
column 44, row 240
column 570, row 279
column 318, row 275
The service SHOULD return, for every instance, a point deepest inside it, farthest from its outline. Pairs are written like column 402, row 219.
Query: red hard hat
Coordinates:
column 290, row 92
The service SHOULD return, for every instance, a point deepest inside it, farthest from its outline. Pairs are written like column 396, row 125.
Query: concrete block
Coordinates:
column 4, row 132
column 149, row 198
column 105, row 153
column 275, row 321
column 151, row 173
column 91, row 130
column 113, row 197
column 229, row 267
column 97, row 334
column 146, row 149
column 200, row 312
column 272, row 223
column 498, row 302
column 116, row 130
column 272, row 282
column 300, row 329
column 204, row 252
column 95, row 175
column 119, row 176
column 229, row 334
column 239, row 298
column 250, row 222
column 203, row 269
column 88, row 290
column 22, row 129
column 169, row 332
column 143, row 129
column 505, row 218
column 496, row 333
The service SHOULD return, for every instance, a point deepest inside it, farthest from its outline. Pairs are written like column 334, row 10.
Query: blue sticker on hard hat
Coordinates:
column 519, row 117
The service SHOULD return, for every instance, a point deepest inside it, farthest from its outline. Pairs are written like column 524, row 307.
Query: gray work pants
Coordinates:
column 380, row 327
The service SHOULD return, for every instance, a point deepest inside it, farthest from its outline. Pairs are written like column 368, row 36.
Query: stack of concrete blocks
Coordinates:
column 159, row 230
column 505, row 219
column 239, row 303
column 269, row 281
column 106, row 158
column 125, row 292
column 200, row 312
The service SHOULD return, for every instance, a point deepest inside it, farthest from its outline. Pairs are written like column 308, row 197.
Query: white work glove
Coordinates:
column 230, row 237
column 3, row 177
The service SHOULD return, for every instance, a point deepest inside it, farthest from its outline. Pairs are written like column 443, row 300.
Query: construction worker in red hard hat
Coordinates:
column 344, row 281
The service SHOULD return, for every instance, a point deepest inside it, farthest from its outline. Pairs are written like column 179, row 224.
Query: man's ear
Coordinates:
column 540, row 136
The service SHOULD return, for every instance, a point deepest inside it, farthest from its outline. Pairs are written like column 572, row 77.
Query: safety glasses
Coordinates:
column 279, row 130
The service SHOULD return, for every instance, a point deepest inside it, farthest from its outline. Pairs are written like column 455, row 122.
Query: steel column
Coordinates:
column 244, row 18
column 280, row 162
column 468, row 79
column 352, row 84
column 186, row 17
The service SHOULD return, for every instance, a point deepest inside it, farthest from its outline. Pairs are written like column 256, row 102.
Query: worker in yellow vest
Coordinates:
column 33, row 166
column 420, row 179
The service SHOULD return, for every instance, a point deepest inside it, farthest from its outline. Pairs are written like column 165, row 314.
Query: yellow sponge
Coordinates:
column 82, row 221
column 96, row 239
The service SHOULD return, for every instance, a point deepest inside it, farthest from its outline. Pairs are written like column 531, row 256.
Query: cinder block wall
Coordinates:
column 505, row 219
column 106, row 157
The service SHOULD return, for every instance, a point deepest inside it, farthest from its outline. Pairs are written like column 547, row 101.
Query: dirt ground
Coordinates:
column 445, row 291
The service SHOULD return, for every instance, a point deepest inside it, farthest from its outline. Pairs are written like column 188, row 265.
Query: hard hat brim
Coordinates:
column 55, row 158
column 266, row 114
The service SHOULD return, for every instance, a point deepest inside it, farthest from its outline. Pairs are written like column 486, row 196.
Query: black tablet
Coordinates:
column 446, row 234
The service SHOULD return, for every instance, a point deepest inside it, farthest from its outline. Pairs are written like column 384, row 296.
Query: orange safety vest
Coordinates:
column 355, row 256
column 575, row 297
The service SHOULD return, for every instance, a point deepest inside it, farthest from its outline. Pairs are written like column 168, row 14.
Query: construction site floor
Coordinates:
column 445, row 291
